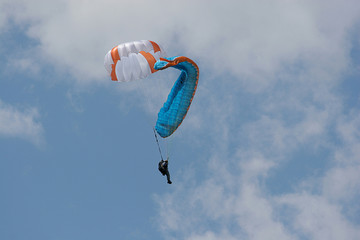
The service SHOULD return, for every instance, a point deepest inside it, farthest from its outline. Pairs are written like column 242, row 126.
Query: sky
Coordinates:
column 270, row 148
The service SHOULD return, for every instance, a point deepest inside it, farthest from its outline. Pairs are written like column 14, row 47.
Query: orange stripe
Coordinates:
column 150, row 59
column 115, row 54
column 155, row 46
column 178, row 60
column 115, row 57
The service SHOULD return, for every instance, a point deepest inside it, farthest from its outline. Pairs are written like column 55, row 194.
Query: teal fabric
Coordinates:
column 179, row 99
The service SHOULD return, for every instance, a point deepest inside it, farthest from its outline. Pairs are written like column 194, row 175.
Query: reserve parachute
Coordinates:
column 136, row 60
column 133, row 60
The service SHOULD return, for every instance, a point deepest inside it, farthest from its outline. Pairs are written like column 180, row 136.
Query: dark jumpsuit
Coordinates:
column 163, row 168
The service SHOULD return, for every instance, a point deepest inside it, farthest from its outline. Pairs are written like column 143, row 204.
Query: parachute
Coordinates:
column 136, row 60
column 178, row 103
column 133, row 60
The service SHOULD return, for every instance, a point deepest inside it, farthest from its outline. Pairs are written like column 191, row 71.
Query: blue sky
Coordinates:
column 268, row 150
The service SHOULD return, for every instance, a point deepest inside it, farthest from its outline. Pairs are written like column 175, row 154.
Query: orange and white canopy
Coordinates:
column 133, row 60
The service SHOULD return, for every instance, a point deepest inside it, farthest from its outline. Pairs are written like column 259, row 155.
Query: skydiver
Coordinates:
column 163, row 168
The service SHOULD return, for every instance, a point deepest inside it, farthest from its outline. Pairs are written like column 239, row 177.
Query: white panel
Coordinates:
column 157, row 55
column 126, row 69
column 162, row 52
column 119, row 71
column 122, row 51
column 135, row 66
column 148, row 46
column 144, row 65
column 130, row 47
column 139, row 46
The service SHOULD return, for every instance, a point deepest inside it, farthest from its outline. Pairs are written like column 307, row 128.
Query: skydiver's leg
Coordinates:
column 168, row 177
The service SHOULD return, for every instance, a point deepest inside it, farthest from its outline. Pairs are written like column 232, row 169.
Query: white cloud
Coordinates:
column 253, row 40
column 317, row 218
column 229, row 205
column 298, row 110
column 233, row 202
column 342, row 182
column 21, row 123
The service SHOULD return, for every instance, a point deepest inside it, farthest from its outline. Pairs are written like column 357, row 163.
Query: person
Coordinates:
column 163, row 168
